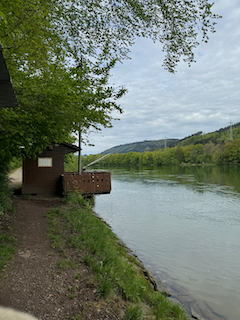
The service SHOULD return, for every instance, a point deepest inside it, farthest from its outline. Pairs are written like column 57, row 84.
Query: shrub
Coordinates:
column 5, row 191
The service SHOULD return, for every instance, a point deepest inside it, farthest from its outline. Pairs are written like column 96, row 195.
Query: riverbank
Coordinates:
column 69, row 276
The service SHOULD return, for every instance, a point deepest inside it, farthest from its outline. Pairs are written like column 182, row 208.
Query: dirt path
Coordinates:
column 33, row 282
column 26, row 283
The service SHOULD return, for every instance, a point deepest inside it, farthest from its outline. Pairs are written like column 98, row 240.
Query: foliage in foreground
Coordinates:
column 15, row 164
column 7, row 241
column 116, row 273
column 5, row 192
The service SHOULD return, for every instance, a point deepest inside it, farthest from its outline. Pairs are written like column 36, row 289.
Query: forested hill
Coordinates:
column 147, row 145
column 218, row 136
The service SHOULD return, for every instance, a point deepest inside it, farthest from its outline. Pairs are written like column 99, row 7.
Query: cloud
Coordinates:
column 204, row 97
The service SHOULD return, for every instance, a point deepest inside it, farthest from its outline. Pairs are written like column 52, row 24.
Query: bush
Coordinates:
column 5, row 191
column 15, row 163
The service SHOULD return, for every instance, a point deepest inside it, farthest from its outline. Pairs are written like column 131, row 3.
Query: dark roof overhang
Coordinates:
column 7, row 95
column 70, row 147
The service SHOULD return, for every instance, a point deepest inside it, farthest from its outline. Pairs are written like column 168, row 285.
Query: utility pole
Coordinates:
column 165, row 143
column 79, row 132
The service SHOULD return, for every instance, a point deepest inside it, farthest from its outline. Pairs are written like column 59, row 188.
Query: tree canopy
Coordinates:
column 60, row 54
column 104, row 28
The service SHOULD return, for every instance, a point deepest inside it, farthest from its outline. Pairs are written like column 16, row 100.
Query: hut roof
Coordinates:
column 70, row 147
column 7, row 95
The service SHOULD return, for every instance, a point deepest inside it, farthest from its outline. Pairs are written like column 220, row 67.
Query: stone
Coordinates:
column 24, row 254
column 195, row 315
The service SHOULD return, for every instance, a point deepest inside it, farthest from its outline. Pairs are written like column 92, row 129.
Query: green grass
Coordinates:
column 67, row 264
column 104, row 287
column 133, row 313
column 116, row 273
column 77, row 276
column 5, row 193
column 7, row 248
column 7, row 241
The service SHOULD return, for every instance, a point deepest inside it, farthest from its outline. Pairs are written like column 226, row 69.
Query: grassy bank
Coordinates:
column 7, row 241
column 7, row 248
column 115, row 272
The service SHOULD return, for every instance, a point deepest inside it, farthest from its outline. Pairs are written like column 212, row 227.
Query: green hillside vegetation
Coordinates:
column 147, row 145
column 222, row 153
column 218, row 136
column 211, row 148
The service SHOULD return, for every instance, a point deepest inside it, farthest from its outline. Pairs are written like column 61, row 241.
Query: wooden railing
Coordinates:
column 87, row 183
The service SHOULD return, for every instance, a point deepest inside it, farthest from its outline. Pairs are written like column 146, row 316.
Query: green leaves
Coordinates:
column 53, row 103
column 105, row 29
column 2, row 17
column 60, row 54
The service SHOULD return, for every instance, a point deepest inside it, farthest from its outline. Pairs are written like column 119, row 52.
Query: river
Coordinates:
column 184, row 224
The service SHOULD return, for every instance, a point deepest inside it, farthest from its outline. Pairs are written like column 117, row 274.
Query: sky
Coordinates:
column 158, row 104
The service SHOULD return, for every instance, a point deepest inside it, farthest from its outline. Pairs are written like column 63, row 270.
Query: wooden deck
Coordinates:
column 87, row 183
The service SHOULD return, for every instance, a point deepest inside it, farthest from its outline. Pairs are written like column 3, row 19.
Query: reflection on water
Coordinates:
column 184, row 224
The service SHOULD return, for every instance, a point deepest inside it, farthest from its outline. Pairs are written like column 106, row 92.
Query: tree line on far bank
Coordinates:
column 221, row 153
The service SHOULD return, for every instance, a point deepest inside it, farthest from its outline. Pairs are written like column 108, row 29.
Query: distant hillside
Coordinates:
column 218, row 136
column 147, row 145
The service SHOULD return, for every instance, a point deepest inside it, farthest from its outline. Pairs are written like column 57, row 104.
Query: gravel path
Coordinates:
column 34, row 283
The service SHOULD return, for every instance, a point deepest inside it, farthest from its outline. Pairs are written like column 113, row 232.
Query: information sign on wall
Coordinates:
column 45, row 162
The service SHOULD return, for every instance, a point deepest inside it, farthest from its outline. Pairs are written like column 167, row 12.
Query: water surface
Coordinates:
column 183, row 223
